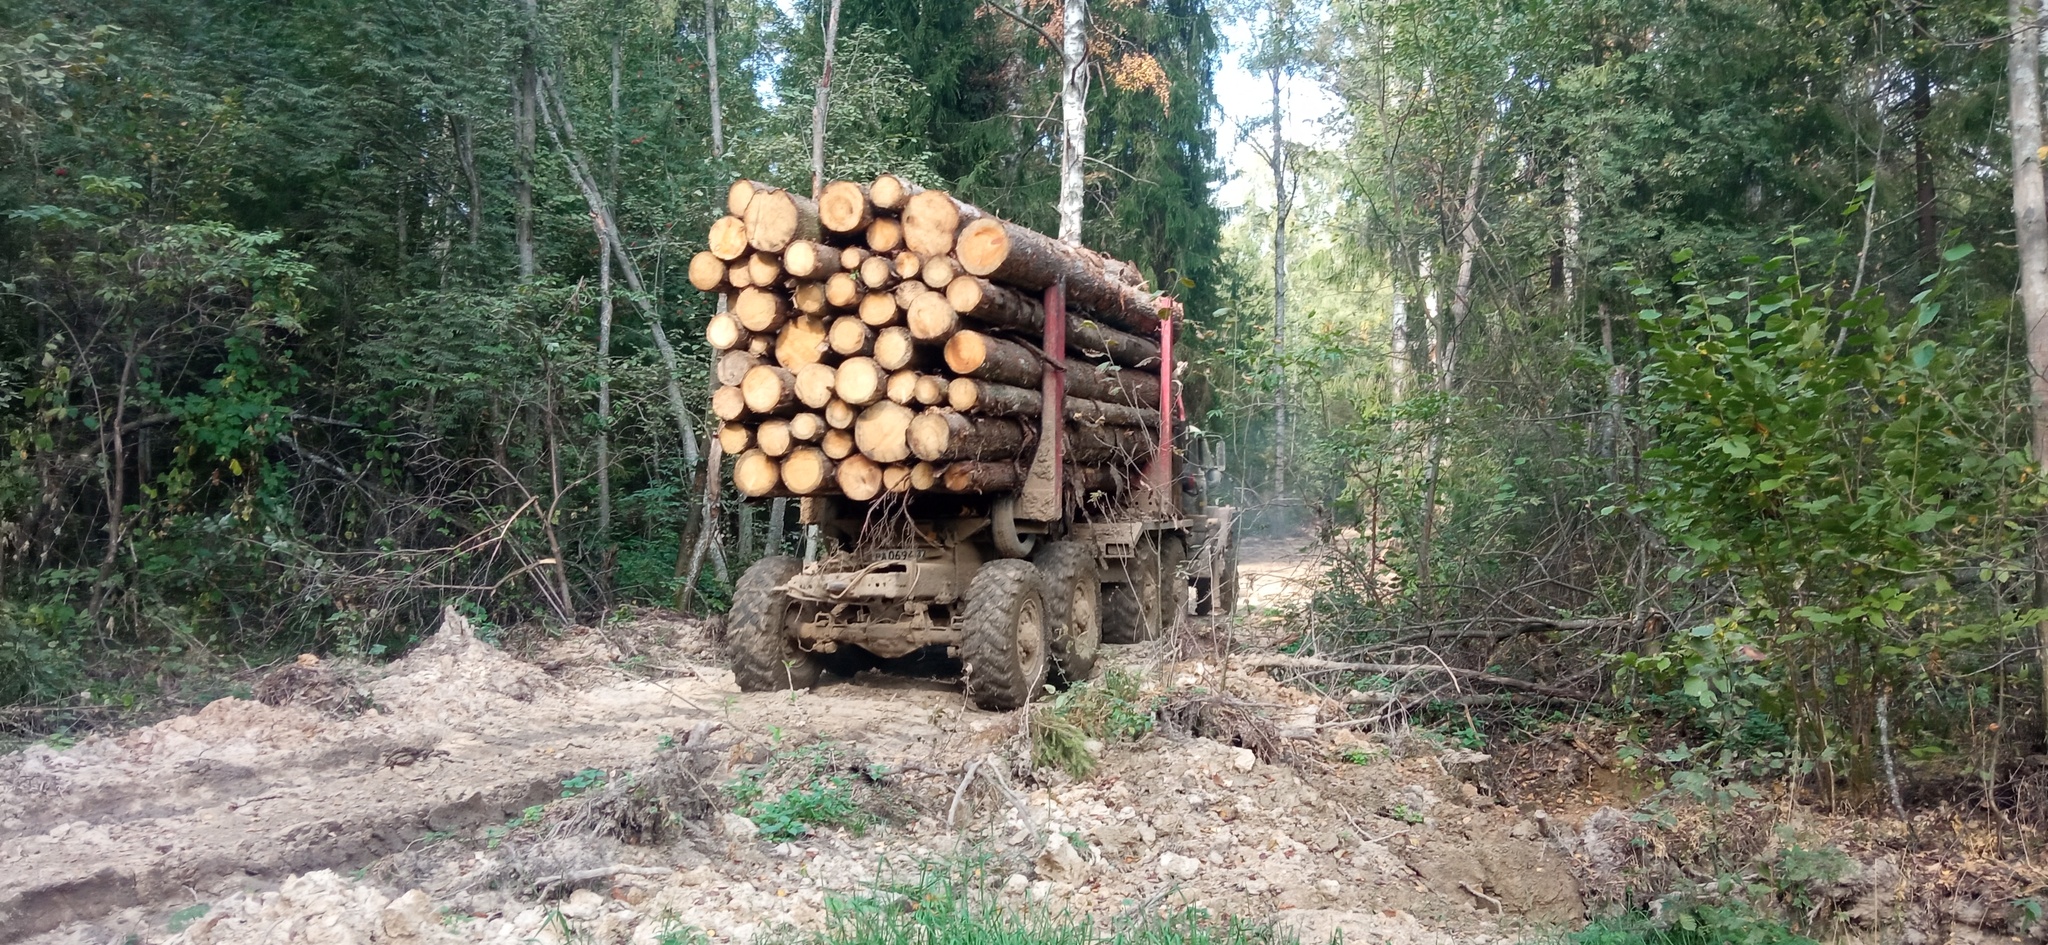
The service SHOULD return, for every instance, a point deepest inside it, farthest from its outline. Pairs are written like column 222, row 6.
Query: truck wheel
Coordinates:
column 1073, row 607
column 1005, row 635
column 1218, row 595
column 762, row 630
column 1173, row 582
column 1130, row 611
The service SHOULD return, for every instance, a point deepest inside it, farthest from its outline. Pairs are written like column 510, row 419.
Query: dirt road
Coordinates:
column 427, row 803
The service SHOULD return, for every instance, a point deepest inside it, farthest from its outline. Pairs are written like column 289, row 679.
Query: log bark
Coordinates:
column 878, row 309
column 973, row 354
column 850, row 337
column 731, row 369
column 740, row 194
column 939, row 435
column 756, row 474
column 968, row 395
column 839, row 415
column 769, row 389
column 932, row 221
column 877, row 272
column 807, row 470
column 807, row 427
column 728, row 403
column 1120, row 446
column 760, row 310
column 806, row 259
column 889, row 192
column 815, row 383
column 1006, row 252
column 896, row 350
column 735, row 438
column 707, row 271
column 885, row 235
column 1006, row 361
column 728, row 238
column 939, row 271
column 908, row 292
column 724, row 333
column 982, row 477
column 837, row 444
column 776, row 217
column 860, row 381
column 860, row 478
column 801, row 342
column 1008, row 308
column 883, row 432
column 843, row 207
column 764, row 269
column 772, row 437
column 842, row 290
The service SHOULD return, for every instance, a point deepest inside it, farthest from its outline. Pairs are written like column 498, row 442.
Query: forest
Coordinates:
column 1674, row 376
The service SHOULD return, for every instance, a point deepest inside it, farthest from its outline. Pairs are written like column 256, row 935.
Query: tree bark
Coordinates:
column 1282, row 204
column 939, row 435
column 818, row 110
column 2030, row 221
column 1447, row 357
column 525, row 103
column 1074, row 117
column 1025, row 259
column 711, row 70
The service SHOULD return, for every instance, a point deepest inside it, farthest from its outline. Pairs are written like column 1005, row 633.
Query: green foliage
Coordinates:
column 1843, row 468
column 799, row 789
column 1108, row 709
column 1698, row 925
column 182, row 918
column 953, row 905
column 584, row 780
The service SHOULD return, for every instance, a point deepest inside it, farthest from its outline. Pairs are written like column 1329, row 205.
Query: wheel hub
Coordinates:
column 1031, row 634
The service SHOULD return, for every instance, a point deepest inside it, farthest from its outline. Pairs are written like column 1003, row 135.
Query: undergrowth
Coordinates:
column 799, row 789
column 1107, row 710
column 949, row 905
column 1701, row 925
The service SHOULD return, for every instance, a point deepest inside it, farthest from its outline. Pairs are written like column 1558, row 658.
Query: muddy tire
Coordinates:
column 1073, row 607
column 1005, row 635
column 1218, row 595
column 1130, row 611
column 1173, row 580
column 762, row 631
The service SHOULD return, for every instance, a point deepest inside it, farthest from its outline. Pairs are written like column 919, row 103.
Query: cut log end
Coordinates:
column 889, row 192
column 756, row 474
column 776, row 217
column 885, row 235
column 728, row 238
column 859, row 381
column 807, row 470
column 882, row 432
column 843, row 207
column 931, row 317
column 931, row 220
column 735, row 438
column 768, row 389
column 772, row 437
column 814, row 384
column 740, row 194
column 707, row 271
column 724, row 333
column 860, row 478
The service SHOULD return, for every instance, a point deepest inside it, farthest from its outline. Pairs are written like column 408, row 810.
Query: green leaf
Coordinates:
column 1955, row 253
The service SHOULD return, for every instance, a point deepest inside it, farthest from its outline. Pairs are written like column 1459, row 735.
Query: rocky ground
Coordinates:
column 588, row 794
column 425, row 801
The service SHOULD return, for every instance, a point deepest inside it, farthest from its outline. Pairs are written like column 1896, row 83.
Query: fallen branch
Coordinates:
column 1304, row 664
column 1510, row 628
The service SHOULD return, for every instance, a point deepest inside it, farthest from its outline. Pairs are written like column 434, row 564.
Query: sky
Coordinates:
column 1245, row 98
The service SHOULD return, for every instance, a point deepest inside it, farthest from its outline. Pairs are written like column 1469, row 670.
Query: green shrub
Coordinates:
column 1109, row 709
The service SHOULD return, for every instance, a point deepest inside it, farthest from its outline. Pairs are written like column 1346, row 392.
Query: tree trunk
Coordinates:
column 1447, row 358
column 525, row 103
column 711, row 70
column 1074, row 117
column 2030, row 220
column 982, row 477
column 1282, row 204
column 818, row 109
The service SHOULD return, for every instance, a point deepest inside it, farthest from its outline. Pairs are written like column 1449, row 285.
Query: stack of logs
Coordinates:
column 885, row 339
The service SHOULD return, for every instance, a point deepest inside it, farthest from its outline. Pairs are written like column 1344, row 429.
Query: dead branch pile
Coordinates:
column 887, row 339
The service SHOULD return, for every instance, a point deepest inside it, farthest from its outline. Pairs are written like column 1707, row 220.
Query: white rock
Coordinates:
column 737, row 827
column 409, row 916
column 1178, row 866
column 1060, row 862
column 583, row 905
column 1017, row 883
column 1244, row 760
column 1328, row 888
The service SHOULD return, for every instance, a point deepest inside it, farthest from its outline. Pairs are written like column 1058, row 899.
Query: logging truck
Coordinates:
column 982, row 424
